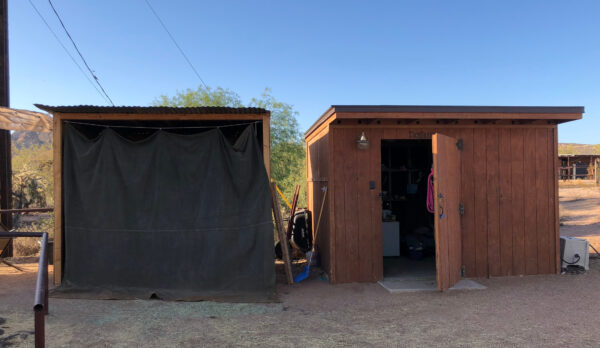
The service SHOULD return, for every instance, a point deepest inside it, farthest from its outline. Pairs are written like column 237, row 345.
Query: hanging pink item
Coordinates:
column 430, row 206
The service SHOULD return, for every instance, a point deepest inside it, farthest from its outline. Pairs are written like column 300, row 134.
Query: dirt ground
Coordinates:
column 580, row 212
column 535, row 311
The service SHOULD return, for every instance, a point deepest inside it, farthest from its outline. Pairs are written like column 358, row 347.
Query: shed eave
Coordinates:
column 558, row 114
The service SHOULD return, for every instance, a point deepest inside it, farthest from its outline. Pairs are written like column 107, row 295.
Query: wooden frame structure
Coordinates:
column 508, row 185
column 139, row 114
column 579, row 167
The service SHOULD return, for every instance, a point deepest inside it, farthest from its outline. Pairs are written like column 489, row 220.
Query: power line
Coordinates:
column 175, row 42
column 67, row 51
column 80, row 55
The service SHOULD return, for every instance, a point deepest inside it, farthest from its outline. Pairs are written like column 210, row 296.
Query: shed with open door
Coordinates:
column 493, row 193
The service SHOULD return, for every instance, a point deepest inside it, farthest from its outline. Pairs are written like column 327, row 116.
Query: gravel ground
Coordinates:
column 535, row 311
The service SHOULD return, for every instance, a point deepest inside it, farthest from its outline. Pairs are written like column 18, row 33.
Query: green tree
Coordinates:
column 287, row 145
column 203, row 96
column 288, row 157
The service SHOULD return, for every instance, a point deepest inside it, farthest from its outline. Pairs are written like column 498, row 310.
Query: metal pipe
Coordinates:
column 40, row 330
column 40, row 302
column 26, row 210
column 40, row 292
column 21, row 234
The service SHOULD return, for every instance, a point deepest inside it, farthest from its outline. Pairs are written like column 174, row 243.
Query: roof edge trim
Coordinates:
column 559, row 110
column 93, row 109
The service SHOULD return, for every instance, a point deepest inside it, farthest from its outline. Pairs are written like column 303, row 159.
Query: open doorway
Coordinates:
column 407, row 227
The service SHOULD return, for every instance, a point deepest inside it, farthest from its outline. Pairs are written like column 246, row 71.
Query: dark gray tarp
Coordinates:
column 181, row 216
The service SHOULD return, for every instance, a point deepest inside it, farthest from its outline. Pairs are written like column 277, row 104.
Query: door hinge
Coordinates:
column 461, row 209
column 459, row 144
column 463, row 271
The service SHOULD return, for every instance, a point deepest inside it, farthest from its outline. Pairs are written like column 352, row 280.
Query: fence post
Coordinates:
column 574, row 171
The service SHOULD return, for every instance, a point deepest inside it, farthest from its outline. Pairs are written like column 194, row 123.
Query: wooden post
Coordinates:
column 266, row 131
column 292, row 211
column 283, row 241
column 597, row 171
column 57, row 169
column 574, row 171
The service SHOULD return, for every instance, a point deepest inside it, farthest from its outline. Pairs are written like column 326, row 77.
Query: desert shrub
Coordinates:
column 31, row 246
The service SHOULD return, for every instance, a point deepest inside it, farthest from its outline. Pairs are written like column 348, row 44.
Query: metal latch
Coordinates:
column 461, row 209
column 459, row 144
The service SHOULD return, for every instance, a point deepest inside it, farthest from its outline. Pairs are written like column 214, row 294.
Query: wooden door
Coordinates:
column 446, row 178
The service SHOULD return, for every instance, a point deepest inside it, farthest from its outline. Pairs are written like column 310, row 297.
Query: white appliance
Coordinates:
column 391, row 238
column 574, row 251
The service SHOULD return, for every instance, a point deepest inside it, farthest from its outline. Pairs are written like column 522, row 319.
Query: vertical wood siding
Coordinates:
column 507, row 187
column 317, row 168
column 518, row 167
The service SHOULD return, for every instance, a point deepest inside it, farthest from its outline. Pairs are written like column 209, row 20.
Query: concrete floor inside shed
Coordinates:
column 402, row 274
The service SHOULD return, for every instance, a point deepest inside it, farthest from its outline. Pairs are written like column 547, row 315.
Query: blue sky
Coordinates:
column 313, row 54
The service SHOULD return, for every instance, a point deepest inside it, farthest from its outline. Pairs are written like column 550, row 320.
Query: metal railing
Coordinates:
column 40, row 302
column 26, row 210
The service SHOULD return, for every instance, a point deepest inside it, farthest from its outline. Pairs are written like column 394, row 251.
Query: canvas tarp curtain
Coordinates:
column 183, row 217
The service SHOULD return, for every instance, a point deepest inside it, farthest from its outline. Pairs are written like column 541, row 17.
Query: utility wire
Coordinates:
column 175, row 42
column 67, row 51
column 80, row 55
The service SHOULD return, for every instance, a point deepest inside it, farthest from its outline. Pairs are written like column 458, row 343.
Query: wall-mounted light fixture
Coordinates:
column 362, row 142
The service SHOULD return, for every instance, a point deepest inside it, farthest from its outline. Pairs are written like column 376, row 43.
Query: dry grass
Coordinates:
column 26, row 246
column 577, row 183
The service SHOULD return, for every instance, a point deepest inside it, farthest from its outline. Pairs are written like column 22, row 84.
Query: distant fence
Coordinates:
column 597, row 171
column 583, row 172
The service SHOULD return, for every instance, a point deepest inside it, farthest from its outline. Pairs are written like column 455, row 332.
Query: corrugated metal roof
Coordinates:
column 93, row 109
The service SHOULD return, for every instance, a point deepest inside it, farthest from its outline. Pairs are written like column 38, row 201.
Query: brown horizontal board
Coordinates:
column 458, row 109
column 399, row 112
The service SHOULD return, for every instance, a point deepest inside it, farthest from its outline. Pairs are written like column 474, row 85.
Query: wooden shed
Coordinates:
column 495, row 193
column 137, row 124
